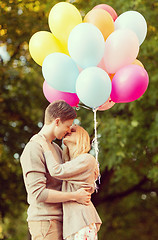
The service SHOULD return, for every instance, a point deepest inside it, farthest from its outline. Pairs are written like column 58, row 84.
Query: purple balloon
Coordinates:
column 129, row 83
column 52, row 95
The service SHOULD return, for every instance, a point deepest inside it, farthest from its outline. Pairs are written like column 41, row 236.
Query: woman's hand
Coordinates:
column 82, row 196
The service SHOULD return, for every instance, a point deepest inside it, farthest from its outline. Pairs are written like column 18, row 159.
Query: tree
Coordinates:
column 127, row 133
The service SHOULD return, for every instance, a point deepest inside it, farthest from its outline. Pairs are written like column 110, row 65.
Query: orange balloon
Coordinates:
column 137, row 62
column 102, row 20
column 111, row 76
column 107, row 105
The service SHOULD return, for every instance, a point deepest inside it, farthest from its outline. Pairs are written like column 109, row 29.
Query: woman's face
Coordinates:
column 72, row 136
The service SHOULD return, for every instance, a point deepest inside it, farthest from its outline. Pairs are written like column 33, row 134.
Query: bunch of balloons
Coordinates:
column 92, row 60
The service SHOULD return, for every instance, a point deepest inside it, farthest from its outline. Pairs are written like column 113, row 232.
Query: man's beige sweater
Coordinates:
column 38, row 181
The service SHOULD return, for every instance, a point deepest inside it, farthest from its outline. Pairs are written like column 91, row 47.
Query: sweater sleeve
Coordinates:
column 76, row 169
column 33, row 166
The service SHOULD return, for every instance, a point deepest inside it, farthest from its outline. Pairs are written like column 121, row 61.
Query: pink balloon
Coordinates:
column 129, row 83
column 107, row 105
column 121, row 48
column 52, row 95
column 109, row 9
column 79, row 68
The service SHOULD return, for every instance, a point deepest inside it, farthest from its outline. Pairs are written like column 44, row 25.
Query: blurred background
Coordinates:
column 127, row 200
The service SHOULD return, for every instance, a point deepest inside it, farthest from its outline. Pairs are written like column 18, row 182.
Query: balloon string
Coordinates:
column 95, row 143
column 78, row 107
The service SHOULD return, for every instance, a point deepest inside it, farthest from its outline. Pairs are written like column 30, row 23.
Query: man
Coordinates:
column 44, row 192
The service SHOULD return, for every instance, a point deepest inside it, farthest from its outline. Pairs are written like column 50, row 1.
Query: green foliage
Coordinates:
column 127, row 133
column 15, row 229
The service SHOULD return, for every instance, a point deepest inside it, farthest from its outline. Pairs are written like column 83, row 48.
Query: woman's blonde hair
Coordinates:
column 82, row 144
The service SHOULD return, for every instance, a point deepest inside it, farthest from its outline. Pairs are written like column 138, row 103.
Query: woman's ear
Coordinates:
column 57, row 121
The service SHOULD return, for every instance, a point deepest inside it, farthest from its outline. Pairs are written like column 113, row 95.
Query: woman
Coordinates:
column 79, row 221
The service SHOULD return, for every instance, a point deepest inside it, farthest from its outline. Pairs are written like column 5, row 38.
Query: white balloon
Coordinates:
column 86, row 45
column 93, row 86
column 60, row 72
column 135, row 21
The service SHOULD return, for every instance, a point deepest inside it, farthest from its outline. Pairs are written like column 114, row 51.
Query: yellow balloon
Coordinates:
column 137, row 62
column 42, row 44
column 65, row 49
column 63, row 17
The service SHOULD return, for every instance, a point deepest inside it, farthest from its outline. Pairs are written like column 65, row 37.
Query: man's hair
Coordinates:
column 59, row 109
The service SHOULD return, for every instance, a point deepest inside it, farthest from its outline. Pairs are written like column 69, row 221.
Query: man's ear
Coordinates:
column 57, row 121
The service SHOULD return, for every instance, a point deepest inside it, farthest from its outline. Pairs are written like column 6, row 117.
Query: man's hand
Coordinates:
column 83, row 196
column 96, row 172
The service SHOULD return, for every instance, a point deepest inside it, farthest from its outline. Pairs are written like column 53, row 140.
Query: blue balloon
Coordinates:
column 60, row 72
column 86, row 45
column 93, row 86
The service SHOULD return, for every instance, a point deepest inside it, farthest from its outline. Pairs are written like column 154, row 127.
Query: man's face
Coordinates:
column 62, row 128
